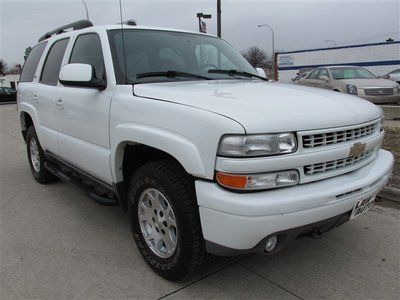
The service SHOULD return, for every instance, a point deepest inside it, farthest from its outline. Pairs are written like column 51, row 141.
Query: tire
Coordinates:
column 39, row 172
column 168, row 181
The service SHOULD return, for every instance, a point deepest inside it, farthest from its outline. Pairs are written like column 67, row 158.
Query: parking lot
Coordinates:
column 57, row 243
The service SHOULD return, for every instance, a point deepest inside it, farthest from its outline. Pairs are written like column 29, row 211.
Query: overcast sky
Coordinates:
column 298, row 25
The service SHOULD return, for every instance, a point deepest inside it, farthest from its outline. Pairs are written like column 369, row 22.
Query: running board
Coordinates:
column 98, row 191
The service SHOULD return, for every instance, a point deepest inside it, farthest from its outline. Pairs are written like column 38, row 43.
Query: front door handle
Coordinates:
column 60, row 104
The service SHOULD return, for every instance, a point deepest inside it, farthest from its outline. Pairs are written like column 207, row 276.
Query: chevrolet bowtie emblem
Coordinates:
column 357, row 149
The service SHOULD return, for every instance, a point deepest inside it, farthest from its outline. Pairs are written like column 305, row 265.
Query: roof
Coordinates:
column 125, row 27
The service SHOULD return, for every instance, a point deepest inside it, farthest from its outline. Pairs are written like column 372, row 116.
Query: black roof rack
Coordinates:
column 75, row 26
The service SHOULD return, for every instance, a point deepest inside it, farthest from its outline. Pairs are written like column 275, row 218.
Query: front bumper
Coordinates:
column 380, row 99
column 241, row 221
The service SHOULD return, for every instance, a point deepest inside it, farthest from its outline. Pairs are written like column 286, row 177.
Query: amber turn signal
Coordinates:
column 231, row 181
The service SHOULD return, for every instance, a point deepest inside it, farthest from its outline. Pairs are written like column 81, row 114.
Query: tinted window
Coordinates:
column 313, row 74
column 87, row 50
column 31, row 63
column 53, row 62
column 158, row 51
column 351, row 73
column 323, row 72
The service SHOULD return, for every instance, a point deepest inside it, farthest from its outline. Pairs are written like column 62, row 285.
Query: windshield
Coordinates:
column 160, row 51
column 351, row 73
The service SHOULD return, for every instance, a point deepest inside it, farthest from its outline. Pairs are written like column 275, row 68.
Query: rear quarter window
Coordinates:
column 31, row 63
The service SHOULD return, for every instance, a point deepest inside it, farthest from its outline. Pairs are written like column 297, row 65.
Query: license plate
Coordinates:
column 362, row 205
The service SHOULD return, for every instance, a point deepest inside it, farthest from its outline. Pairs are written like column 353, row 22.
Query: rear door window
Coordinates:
column 53, row 62
column 31, row 63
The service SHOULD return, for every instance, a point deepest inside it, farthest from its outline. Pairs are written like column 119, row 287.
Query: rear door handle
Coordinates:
column 60, row 104
column 35, row 99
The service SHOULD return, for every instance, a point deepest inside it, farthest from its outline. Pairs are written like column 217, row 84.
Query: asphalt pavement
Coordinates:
column 57, row 243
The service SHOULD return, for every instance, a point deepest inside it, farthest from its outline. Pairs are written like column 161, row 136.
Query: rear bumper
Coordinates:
column 241, row 221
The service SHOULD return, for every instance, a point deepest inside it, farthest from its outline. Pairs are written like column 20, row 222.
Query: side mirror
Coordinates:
column 261, row 72
column 324, row 78
column 82, row 75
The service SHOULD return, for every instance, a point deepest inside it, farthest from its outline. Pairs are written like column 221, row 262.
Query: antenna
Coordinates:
column 86, row 9
column 123, row 40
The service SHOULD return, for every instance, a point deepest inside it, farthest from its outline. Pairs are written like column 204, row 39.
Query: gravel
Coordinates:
column 392, row 143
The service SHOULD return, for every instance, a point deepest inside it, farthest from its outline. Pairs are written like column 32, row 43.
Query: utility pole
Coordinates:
column 219, row 18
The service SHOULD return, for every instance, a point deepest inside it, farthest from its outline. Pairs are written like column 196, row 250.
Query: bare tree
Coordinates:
column 15, row 69
column 257, row 57
column 3, row 67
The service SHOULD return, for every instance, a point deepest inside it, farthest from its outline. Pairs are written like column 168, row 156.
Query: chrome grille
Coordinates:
column 336, row 137
column 332, row 165
column 378, row 91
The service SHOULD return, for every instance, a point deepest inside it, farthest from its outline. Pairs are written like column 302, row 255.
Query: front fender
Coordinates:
column 188, row 134
column 176, row 145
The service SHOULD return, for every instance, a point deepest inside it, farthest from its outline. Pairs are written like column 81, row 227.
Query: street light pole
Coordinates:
column 273, row 46
column 86, row 9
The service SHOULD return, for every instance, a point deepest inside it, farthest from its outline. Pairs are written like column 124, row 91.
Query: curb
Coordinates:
column 390, row 194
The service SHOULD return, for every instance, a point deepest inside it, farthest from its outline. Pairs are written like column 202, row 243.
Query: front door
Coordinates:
column 84, row 114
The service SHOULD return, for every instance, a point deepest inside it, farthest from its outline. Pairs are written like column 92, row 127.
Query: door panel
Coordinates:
column 84, row 135
column 44, row 99
column 45, row 94
column 84, row 114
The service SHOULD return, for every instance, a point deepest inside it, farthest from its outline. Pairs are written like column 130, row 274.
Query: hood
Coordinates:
column 365, row 83
column 263, row 107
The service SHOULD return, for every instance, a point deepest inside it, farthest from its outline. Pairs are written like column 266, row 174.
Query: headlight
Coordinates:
column 257, row 145
column 351, row 89
column 258, row 181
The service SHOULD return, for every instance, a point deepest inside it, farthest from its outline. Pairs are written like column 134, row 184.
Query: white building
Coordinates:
column 378, row 58
column 9, row 80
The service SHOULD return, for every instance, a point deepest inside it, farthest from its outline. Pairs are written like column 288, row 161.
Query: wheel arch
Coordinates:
column 25, row 120
column 129, row 156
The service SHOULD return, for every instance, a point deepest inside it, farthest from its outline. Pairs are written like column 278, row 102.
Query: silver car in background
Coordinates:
column 354, row 80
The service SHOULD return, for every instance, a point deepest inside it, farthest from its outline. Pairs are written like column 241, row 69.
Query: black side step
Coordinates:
column 93, row 188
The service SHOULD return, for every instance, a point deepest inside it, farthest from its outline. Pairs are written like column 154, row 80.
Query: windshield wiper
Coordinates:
column 171, row 74
column 236, row 72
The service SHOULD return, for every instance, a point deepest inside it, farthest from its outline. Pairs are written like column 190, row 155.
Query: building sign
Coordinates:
column 285, row 60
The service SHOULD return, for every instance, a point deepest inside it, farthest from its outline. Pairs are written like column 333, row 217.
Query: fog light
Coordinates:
column 271, row 244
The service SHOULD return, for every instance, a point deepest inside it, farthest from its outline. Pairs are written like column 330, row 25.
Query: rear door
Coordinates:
column 84, row 113
column 45, row 94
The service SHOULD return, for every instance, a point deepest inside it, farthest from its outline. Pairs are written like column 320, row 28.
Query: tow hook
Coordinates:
column 316, row 233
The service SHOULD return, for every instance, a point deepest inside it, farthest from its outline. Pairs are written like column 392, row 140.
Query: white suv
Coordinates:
column 204, row 153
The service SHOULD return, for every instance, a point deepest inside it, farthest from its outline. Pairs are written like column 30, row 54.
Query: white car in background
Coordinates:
column 393, row 75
